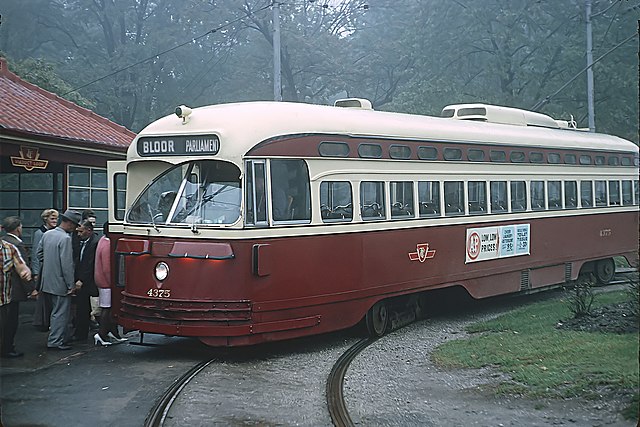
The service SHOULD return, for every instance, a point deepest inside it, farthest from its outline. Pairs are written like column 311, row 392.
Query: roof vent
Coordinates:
column 361, row 103
column 498, row 114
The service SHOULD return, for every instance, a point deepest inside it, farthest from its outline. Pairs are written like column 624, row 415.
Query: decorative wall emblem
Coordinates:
column 422, row 253
column 29, row 159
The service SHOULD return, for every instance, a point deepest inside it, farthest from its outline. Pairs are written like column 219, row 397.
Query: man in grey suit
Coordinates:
column 58, row 276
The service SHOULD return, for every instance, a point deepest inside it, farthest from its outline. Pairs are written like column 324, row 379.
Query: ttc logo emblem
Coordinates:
column 422, row 253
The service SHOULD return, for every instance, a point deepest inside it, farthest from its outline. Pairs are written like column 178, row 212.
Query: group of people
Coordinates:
column 70, row 264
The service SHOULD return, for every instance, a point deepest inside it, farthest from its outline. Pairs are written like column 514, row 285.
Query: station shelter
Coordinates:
column 53, row 153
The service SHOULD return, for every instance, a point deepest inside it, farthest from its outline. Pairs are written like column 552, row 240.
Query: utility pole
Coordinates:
column 277, row 80
column 590, row 107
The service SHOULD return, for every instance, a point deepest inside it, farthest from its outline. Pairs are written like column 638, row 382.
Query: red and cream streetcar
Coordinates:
column 260, row 221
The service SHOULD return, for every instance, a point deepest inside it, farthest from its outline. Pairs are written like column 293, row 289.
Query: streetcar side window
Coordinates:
column 599, row 160
column 627, row 193
column 601, row 193
column 372, row 200
column 554, row 193
column 537, row 195
column 553, row 158
column 477, row 197
column 401, row 199
column 429, row 198
column 614, row 193
column 586, row 194
column 336, row 201
column 636, row 192
column 453, row 198
column 498, row 156
column 452, row 153
column 614, row 160
column 517, row 156
column 570, row 194
column 498, row 196
column 536, row 157
column 585, row 159
column 518, row 196
column 570, row 159
column 290, row 193
column 255, row 194
column 475, row 155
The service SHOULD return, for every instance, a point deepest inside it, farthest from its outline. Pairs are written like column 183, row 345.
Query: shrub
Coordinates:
column 581, row 296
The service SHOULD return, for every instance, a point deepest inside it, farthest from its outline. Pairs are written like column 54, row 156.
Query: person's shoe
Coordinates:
column 98, row 340
column 13, row 354
column 115, row 338
column 62, row 347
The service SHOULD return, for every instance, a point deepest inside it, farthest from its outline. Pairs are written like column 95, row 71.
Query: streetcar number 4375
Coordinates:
column 159, row 293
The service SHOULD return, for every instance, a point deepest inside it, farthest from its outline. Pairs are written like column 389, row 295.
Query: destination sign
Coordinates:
column 179, row 145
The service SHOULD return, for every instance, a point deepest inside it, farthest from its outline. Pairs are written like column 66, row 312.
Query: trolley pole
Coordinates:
column 277, row 79
column 590, row 107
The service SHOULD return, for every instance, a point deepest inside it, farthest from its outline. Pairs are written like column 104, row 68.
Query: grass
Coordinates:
column 547, row 362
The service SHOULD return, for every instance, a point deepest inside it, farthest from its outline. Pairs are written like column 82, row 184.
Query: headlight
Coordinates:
column 162, row 271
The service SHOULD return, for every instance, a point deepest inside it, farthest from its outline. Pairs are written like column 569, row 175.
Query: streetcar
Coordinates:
column 243, row 223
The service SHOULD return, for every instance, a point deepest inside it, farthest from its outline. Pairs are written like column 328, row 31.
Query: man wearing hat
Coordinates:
column 58, row 276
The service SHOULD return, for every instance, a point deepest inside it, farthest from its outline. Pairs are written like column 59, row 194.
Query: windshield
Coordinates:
column 202, row 192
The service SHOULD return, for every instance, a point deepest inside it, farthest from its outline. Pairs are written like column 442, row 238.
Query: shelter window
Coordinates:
column 570, row 159
column 333, row 149
column 518, row 196
column 498, row 196
column 400, row 152
column 498, row 156
column 570, row 194
column 554, row 191
column 371, row 151
column 477, row 197
column 537, row 195
column 627, row 193
column 427, row 153
column 429, row 198
column 536, row 157
column 586, row 194
column 336, row 201
column 585, row 159
column 553, row 158
column 454, row 198
column 614, row 160
column 517, row 156
column 452, row 153
column 401, row 195
column 475, row 155
column 614, row 193
column 290, row 193
column 601, row 193
column 87, row 189
column 372, row 200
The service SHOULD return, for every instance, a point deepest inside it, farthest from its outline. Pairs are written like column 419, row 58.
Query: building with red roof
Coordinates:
column 53, row 153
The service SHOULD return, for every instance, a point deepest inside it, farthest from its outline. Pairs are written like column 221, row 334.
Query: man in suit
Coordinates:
column 85, row 282
column 20, row 289
column 58, row 276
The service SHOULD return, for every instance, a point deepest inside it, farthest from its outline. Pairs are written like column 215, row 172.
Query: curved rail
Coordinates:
column 335, row 398
column 158, row 413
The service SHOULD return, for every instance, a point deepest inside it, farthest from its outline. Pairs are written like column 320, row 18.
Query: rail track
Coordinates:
column 158, row 413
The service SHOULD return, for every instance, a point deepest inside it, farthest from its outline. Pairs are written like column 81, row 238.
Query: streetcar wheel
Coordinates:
column 377, row 319
column 605, row 270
